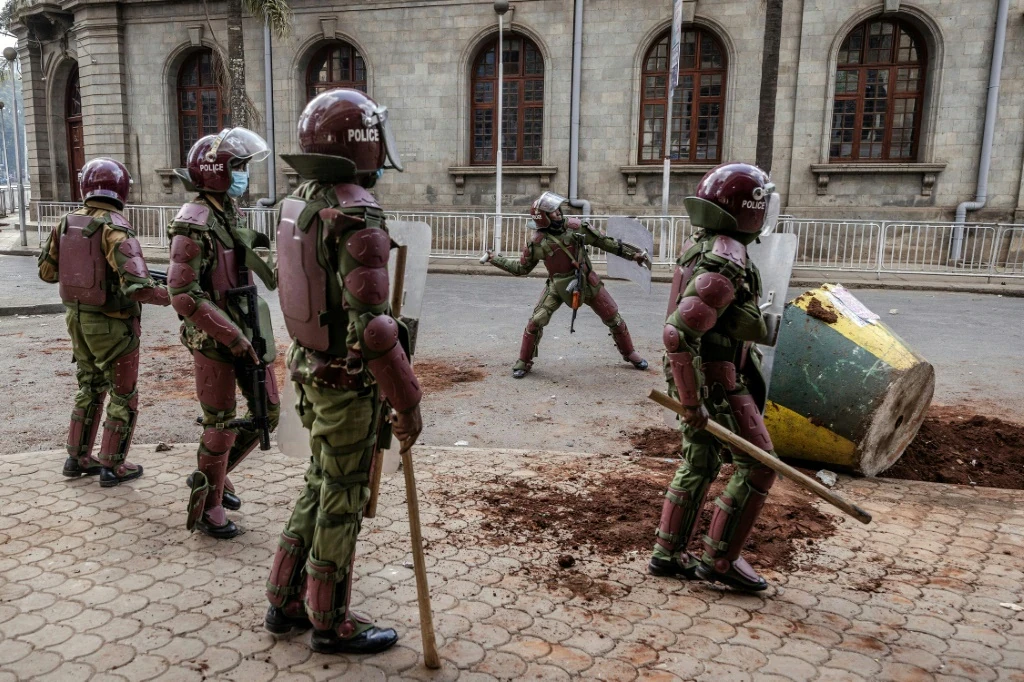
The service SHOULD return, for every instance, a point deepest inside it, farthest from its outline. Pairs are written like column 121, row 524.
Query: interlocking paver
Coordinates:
column 107, row 584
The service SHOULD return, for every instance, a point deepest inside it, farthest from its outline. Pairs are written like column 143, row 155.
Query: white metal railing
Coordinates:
column 898, row 247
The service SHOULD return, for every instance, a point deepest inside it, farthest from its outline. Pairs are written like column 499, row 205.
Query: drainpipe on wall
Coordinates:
column 991, row 107
column 268, row 77
column 574, row 109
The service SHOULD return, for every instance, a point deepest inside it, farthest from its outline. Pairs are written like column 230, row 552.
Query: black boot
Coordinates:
column 225, row 531
column 125, row 471
column 282, row 620
column 230, row 500
column 372, row 641
column 73, row 468
column 666, row 568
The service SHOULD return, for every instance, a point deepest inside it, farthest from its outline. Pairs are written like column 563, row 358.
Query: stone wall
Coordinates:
column 418, row 55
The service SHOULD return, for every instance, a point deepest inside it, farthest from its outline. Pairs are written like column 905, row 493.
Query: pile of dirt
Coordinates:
column 965, row 450
column 655, row 441
column 615, row 513
column 819, row 312
column 438, row 375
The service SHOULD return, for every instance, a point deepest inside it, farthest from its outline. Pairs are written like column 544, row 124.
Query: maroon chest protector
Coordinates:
column 559, row 262
column 83, row 267
column 224, row 275
column 302, row 281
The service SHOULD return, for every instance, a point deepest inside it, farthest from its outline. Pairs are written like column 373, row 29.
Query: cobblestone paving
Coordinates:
column 107, row 585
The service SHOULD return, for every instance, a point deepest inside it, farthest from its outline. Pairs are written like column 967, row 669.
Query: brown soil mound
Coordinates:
column 819, row 312
column 438, row 375
column 972, row 450
column 655, row 441
column 615, row 513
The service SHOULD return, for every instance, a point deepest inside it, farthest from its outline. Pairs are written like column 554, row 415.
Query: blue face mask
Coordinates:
column 239, row 183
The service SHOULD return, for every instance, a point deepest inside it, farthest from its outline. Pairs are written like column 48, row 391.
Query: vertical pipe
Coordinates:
column 268, row 79
column 17, row 154
column 667, row 169
column 574, row 110
column 991, row 109
column 498, row 151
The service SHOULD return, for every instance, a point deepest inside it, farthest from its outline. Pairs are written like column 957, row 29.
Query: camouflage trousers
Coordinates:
column 739, row 503
column 321, row 534
column 105, row 349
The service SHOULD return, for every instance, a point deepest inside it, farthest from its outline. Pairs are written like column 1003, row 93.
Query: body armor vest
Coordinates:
column 86, row 279
column 310, row 291
column 559, row 262
column 224, row 275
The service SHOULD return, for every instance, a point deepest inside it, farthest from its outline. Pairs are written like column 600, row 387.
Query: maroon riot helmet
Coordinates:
column 105, row 179
column 212, row 159
column 735, row 198
column 344, row 135
column 547, row 210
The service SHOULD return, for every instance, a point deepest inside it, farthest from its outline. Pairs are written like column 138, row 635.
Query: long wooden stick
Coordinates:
column 774, row 463
column 377, row 467
column 430, row 657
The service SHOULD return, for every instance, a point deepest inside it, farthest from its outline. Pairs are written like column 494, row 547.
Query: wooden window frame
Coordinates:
column 315, row 87
column 192, row 62
column 892, row 65
column 514, row 80
column 697, row 100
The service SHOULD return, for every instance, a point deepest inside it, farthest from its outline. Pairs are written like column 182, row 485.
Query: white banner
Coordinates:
column 677, row 32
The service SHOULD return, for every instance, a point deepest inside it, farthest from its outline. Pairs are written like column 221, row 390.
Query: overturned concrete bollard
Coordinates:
column 846, row 390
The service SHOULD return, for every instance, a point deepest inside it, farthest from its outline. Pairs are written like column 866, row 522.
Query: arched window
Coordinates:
column 201, row 110
column 698, row 102
column 880, row 76
column 73, row 119
column 522, row 105
column 337, row 65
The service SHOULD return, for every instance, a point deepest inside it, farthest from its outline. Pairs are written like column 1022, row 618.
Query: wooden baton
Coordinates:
column 774, row 463
column 370, row 511
column 430, row 657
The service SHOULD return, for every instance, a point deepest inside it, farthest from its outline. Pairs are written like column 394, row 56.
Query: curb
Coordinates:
column 41, row 309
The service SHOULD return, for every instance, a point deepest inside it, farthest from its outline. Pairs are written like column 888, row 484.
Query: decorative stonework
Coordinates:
column 632, row 173
column 195, row 36
column 167, row 178
column 459, row 173
column 329, row 27
column 929, row 172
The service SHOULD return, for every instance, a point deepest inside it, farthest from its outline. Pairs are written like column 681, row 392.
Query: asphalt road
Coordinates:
column 580, row 395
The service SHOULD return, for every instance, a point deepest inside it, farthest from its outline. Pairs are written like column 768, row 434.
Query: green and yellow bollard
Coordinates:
column 846, row 391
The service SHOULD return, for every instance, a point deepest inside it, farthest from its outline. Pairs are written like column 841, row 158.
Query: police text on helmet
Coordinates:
column 364, row 135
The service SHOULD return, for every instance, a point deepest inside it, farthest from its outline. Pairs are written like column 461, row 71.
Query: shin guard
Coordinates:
column 326, row 600
column 624, row 342
column 531, row 339
column 85, row 425
column 285, row 583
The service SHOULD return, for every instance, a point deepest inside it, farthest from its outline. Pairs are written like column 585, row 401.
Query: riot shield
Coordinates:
column 630, row 231
column 774, row 257
column 292, row 438
column 415, row 237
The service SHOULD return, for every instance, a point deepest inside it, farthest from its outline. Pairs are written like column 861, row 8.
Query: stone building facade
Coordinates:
column 427, row 61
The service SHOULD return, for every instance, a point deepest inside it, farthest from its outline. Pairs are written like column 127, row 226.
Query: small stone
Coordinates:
column 461, row 443
column 827, row 477
column 162, row 447
column 566, row 561
column 894, row 311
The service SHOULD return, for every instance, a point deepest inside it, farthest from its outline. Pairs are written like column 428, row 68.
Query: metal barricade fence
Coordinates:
column 899, row 247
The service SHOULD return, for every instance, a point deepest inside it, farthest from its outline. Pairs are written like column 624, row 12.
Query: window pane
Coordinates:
column 688, row 50
column 189, row 74
column 189, row 132
column 710, row 54
column 483, row 93
column 485, row 64
column 847, row 82
column 533, row 134
column 534, row 62
column 657, row 58
column 534, row 91
column 188, row 100
column 483, row 133
column 849, row 53
column 206, row 69
column 210, row 114
column 360, row 76
column 513, row 49
column 880, row 41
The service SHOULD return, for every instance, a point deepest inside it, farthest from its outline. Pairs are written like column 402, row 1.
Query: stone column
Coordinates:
column 104, row 83
column 33, row 109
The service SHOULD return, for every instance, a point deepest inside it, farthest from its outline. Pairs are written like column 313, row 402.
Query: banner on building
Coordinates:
column 677, row 32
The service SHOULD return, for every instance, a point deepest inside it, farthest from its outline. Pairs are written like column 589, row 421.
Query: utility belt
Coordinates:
column 330, row 371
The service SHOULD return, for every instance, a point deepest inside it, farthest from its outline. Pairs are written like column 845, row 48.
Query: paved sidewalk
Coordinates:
column 107, row 585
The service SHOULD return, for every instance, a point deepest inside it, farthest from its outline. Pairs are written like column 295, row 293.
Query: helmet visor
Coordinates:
column 771, row 213
column 386, row 134
column 550, row 202
column 241, row 144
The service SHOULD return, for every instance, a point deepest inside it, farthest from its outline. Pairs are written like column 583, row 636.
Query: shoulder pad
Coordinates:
column 730, row 249
column 118, row 220
column 538, row 237
column 193, row 214
column 354, row 195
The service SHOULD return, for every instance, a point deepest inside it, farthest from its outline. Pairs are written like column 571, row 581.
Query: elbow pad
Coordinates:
column 390, row 366
column 208, row 318
column 152, row 296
